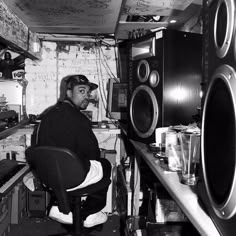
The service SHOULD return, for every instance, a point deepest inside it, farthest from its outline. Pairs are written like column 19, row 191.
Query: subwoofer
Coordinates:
column 217, row 182
column 220, row 27
column 164, row 81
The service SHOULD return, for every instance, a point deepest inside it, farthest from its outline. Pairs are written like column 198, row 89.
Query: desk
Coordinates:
column 184, row 195
column 108, row 138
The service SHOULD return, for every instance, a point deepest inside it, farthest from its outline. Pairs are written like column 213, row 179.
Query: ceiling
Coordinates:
column 104, row 17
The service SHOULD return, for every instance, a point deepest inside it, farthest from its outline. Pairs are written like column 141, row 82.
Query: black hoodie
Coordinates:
column 64, row 125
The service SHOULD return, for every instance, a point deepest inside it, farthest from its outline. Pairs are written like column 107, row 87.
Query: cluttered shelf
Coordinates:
column 9, row 80
column 185, row 196
column 13, row 129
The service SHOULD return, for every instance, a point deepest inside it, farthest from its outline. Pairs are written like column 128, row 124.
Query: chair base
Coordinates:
column 85, row 232
column 63, row 234
column 69, row 234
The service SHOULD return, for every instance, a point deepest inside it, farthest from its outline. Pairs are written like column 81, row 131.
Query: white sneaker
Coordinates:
column 55, row 214
column 95, row 219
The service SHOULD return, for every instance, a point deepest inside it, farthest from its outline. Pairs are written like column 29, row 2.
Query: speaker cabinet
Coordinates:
column 164, row 81
column 217, row 186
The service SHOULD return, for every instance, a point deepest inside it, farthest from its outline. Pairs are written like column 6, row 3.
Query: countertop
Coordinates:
column 184, row 195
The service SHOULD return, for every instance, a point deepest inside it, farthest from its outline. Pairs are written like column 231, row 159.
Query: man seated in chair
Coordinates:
column 64, row 125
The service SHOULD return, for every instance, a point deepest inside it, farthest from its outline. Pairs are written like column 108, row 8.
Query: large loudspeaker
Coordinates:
column 217, row 186
column 164, row 81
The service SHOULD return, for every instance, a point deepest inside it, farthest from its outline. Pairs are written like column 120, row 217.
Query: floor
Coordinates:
column 36, row 227
column 32, row 226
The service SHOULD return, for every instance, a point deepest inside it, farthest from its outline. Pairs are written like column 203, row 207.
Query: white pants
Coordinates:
column 94, row 175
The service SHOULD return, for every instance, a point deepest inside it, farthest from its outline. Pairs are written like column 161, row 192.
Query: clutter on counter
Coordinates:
column 176, row 153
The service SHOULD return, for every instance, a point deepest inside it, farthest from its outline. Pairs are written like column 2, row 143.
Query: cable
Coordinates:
column 117, row 61
column 134, row 188
column 101, row 86
column 104, row 61
column 107, row 65
column 115, row 141
column 100, row 59
column 99, row 82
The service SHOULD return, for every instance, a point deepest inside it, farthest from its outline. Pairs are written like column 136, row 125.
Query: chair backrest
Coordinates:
column 58, row 169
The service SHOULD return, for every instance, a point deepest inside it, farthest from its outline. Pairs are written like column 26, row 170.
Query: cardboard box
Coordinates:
column 18, row 209
column 111, row 193
column 5, row 214
column 37, row 203
column 167, row 210
column 110, row 155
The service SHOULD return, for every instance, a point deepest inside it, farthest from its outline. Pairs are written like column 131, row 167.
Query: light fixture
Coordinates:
column 36, row 47
column 173, row 21
column 156, row 18
column 201, row 94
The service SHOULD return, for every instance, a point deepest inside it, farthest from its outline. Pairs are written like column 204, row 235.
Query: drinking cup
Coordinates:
column 174, row 157
column 190, row 152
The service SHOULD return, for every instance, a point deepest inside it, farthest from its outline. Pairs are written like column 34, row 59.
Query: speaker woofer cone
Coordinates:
column 144, row 111
column 154, row 79
column 143, row 70
column 219, row 142
column 223, row 26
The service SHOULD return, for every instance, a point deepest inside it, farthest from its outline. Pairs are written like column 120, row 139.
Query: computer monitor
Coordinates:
column 116, row 100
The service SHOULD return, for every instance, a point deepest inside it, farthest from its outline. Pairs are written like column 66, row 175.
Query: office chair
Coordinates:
column 59, row 169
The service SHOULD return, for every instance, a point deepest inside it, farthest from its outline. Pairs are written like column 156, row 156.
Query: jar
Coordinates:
column 171, row 139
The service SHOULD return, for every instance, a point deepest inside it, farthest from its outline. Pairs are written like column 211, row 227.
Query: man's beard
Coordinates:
column 84, row 105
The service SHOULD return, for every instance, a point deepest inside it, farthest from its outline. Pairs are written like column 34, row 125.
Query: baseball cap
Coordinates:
column 74, row 80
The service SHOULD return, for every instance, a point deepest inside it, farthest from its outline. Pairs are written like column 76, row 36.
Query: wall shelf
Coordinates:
column 9, row 131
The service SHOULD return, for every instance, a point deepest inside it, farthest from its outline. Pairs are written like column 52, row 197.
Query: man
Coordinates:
column 64, row 125
column 7, row 66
